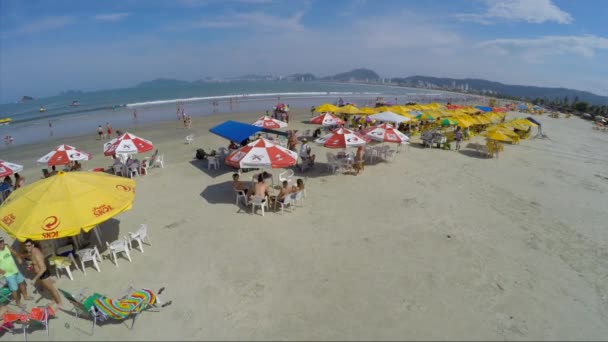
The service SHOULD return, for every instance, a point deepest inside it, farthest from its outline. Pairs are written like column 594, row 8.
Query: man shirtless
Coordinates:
column 259, row 189
column 42, row 274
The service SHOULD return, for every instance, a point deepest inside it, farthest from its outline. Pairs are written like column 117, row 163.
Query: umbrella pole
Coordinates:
column 97, row 235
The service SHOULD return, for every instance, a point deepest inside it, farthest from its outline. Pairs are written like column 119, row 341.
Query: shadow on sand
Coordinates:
column 472, row 154
column 202, row 165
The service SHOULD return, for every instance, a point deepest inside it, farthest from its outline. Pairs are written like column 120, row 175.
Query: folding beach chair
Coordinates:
column 37, row 316
column 100, row 308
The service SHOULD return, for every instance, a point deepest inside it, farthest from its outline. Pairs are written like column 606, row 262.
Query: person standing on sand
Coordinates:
column 99, row 132
column 8, row 269
column 135, row 114
column 50, row 128
column 109, row 130
column 458, row 138
column 42, row 275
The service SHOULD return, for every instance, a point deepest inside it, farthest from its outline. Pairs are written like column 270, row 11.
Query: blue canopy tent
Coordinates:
column 485, row 109
column 522, row 106
column 238, row 131
column 540, row 129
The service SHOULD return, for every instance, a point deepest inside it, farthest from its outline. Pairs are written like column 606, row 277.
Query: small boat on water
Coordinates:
column 5, row 121
column 42, row 110
column 75, row 103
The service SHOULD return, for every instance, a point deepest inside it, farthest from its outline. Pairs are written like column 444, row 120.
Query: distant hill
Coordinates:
column 496, row 88
column 163, row 83
column 360, row 75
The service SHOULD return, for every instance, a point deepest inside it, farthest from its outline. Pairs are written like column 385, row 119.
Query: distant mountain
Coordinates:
column 488, row 87
column 357, row 75
column 163, row 83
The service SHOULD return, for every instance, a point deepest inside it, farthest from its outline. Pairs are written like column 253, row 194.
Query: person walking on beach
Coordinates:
column 135, row 114
column 312, row 111
column 109, row 130
column 50, row 128
column 8, row 269
column 42, row 273
column 99, row 132
column 458, row 138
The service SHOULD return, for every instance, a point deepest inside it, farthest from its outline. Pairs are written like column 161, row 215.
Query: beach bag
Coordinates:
column 200, row 154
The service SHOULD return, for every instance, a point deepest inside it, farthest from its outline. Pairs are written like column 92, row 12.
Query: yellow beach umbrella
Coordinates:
column 498, row 135
column 349, row 109
column 367, row 110
column 326, row 107
column 64, row 204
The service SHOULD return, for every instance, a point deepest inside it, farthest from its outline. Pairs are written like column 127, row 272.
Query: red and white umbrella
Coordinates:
column 343, row 138
column 385, row 133
column 327, row 120
column 63, row 155
column 7, row 169
column 268, row 122
column 262, row 153
column 127, row 144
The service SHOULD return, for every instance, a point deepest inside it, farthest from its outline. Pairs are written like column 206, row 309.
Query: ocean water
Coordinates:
column 159, row 104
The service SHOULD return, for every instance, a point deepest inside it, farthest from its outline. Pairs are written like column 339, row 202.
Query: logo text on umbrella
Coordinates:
column 8, row 219
column 102, row 209
column 50, row 223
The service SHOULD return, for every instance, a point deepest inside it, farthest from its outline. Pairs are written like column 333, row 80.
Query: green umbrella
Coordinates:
column 425, row 116
column 449, row 122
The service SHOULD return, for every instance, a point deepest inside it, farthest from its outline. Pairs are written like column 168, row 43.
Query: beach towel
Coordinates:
column 121, row 308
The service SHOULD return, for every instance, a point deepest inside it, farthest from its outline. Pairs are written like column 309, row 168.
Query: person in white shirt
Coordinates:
column 305, row 153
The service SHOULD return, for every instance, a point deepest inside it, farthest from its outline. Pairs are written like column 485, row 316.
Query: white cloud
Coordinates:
column 111, row 16
column 254, row 20
column 531, row 11
column 536, row 50
column 45, row 24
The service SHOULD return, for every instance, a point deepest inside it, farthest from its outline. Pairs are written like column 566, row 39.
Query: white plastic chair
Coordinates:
column 120, row 245
column 63, row 263
column 287, row 202
column 286, row 176
column 332, row 164
column 190, row 139
column 159, row 161
column 259, row 202
column 212, row 161
column 117, row 170
column 89, row 254
column 144, row 166
column 133, row 171
column 140, row 236
column 298, row 197
column 241, row 194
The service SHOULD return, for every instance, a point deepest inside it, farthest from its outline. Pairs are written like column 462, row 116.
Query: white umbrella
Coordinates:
column 7, row 169
column 127, row 144
column 268, row 122
column 262, row 153
column 389, row 117
column 63, row 155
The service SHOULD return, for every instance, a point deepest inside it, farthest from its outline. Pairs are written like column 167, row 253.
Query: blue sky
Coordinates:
column 50, row 46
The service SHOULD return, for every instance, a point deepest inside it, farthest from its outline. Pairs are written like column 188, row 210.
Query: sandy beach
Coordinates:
column 436, row 245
